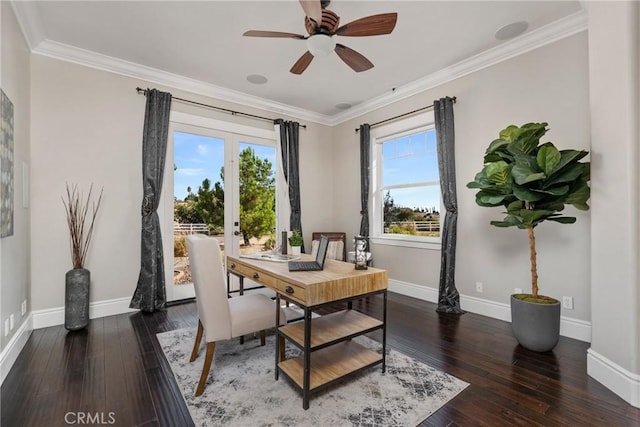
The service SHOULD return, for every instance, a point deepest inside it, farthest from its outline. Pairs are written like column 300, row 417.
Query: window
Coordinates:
column 202, row 190
column 406, row 186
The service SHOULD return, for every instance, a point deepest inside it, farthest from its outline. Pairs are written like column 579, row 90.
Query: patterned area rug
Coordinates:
column 241, row 390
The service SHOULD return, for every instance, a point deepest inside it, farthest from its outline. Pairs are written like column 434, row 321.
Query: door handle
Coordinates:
column 236, row 233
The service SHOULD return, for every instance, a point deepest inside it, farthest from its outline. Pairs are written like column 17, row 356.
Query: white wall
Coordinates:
column 316, row 180
column 614, row 55
column 548, row 84
column 87, row 128
column 14, row 250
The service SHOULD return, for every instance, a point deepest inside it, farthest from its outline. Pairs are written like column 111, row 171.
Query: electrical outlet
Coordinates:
column 6, row 327
column 517, row 290
column 567, row 302
column 11, row 322
column 478, row 286
column 23, row 309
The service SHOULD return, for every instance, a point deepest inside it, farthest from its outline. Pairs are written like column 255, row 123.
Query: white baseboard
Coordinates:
column 613, row 376
column 55, row 316
column 10, row 353
column 39, row 319
column 412, row 290
column 569, row 327
column 575, row 328
column 495, row 310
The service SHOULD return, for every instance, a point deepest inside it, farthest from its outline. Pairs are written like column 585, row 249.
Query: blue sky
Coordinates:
column 408, row 159
column 198, row 157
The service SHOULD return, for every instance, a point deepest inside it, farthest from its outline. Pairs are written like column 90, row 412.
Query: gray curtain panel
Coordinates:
column 291, row 160
column 150, row 294
column 448, row 296
column 365, row 143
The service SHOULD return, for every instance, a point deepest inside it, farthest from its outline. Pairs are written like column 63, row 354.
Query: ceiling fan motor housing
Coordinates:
column 329, row 24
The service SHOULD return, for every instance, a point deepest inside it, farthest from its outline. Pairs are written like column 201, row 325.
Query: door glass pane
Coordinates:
column 257, row 197
column 198, row 195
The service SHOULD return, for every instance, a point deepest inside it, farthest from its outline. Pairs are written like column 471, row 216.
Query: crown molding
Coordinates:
column 542, row 36
column 31, row 26
column 98, row 61
column 29, row 21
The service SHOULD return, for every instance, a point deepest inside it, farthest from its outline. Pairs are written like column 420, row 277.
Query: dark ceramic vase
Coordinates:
column 76, row 299
column 535, row 326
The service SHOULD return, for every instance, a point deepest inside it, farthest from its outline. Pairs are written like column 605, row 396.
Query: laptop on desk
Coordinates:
column 316, row 265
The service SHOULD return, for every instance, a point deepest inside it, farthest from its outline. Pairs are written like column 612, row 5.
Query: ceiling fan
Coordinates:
column 322, row 24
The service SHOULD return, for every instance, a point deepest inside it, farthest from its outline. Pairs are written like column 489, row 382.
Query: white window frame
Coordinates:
column 205, row 126
column 396, row 129
column 212, row 127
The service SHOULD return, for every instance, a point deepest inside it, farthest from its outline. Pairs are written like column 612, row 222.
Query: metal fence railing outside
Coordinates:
column 190, row 228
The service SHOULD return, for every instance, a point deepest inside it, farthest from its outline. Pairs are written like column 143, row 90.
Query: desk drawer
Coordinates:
column 253, row 274
column 292, row 291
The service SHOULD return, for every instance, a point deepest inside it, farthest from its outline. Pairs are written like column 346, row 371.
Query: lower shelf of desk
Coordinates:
column 331, row 363
column 332, row 328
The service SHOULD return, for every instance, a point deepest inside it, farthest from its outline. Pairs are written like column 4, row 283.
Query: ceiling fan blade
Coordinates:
column 302, row 63
column 353, row 59
column 374, row 25
column 313, row 10
column 258, row 33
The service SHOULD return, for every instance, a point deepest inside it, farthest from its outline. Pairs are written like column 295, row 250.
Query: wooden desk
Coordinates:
column 328, row 353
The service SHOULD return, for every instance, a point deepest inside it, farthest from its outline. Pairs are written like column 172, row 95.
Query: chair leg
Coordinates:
column 205, row 368
column 196, row 345
column 263, row 336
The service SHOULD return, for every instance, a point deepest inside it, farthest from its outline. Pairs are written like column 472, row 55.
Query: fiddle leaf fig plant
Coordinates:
column 533, row 182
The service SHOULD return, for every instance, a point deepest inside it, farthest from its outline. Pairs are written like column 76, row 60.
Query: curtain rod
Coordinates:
column 402, row 115
column 226, row 110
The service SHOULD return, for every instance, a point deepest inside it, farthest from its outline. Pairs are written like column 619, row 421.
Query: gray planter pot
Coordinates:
column 535, row 326
column 76, row 299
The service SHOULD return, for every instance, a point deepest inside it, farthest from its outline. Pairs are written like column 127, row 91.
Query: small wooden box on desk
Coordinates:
column 328, row 352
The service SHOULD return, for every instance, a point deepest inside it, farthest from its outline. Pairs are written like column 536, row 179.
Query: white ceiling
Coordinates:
column 199, row 45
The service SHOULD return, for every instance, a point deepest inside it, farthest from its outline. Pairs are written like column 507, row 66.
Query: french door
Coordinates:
column 207, row 163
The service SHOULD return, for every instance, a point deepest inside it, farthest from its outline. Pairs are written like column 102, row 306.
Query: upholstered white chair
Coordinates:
column 219, row 317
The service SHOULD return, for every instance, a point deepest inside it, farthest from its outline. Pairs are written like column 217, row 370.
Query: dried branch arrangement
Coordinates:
column 77, row 211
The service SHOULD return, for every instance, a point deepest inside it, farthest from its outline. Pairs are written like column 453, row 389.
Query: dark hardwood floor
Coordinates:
column 114, row 373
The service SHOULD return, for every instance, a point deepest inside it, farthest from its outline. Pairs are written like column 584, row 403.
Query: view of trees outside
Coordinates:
column 410, row 185
column 257, row 200
column 417, row 221
column 206, row 206
column 257, row 197
column 199, row 195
